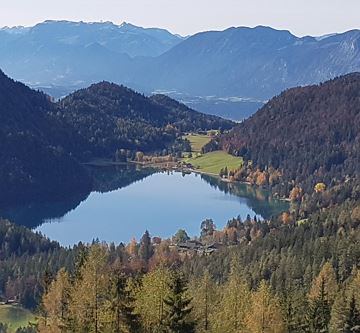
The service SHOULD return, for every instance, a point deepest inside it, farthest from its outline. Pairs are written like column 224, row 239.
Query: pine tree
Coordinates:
column 81, row 257
column 122, row 305
column 178, row 307
column 293, row 304
column 146, row 249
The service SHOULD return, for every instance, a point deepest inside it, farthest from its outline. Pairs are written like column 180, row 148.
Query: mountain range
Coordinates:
column 76, row 54
column 230, row 73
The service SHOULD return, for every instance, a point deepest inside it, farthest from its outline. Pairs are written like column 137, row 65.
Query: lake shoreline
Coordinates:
column 169, row 166
column 130, row 200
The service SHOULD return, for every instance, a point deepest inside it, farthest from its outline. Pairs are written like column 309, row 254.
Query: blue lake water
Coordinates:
column 126, row 202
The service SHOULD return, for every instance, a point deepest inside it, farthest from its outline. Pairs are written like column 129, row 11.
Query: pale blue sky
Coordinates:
column 302, row 17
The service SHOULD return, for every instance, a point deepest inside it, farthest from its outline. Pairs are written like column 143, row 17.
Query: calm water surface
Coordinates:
column 126, row 202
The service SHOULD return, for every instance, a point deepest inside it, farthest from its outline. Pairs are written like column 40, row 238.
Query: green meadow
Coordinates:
column 197, row 141
column 213, row 162
column 15, row 317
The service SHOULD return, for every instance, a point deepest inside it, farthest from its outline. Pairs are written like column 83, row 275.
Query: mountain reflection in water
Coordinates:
column 127, row 200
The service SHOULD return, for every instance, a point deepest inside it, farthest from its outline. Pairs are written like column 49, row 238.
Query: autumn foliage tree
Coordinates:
column 234, row 303
column 264, row 315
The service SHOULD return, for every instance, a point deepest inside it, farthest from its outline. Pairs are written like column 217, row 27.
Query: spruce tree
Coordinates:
column 123, row 306
column 146, row 249
column 178, row 307
column 290, row 305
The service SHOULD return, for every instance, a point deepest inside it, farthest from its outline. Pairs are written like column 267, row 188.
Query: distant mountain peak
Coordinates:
column 49, row 22
column 128, row 25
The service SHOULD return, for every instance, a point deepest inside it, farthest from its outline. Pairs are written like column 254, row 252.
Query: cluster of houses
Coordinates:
column 192, row 247
column 12, row 301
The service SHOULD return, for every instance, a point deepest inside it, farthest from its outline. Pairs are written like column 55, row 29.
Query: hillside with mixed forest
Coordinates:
column 111, row 117
column 309, row 134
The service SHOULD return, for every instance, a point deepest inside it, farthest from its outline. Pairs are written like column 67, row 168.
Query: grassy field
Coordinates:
column 197, row 141
column 213, row 162
column 15, row 316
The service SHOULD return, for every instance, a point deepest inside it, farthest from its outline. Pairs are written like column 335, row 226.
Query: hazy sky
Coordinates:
column 302, row 17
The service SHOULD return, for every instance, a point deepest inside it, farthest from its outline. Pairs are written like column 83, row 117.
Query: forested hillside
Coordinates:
column 34, row 147
column 309, row 135
column 111, row 117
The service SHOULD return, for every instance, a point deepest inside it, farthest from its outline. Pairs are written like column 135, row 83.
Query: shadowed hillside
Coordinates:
column 35, row 160
column 311, row 134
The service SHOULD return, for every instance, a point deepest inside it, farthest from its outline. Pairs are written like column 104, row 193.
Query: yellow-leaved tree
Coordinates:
column 89, row 293
column 264, row 315
column 328, row 277
column 233, row 305
column 320, row 187
column 149, row 298
column 205, row 301
column 55, row 305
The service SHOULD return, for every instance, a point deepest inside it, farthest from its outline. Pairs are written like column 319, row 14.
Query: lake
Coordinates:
column 126, row 201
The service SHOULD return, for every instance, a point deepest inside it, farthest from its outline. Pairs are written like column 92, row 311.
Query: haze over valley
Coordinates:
column 229, row 73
